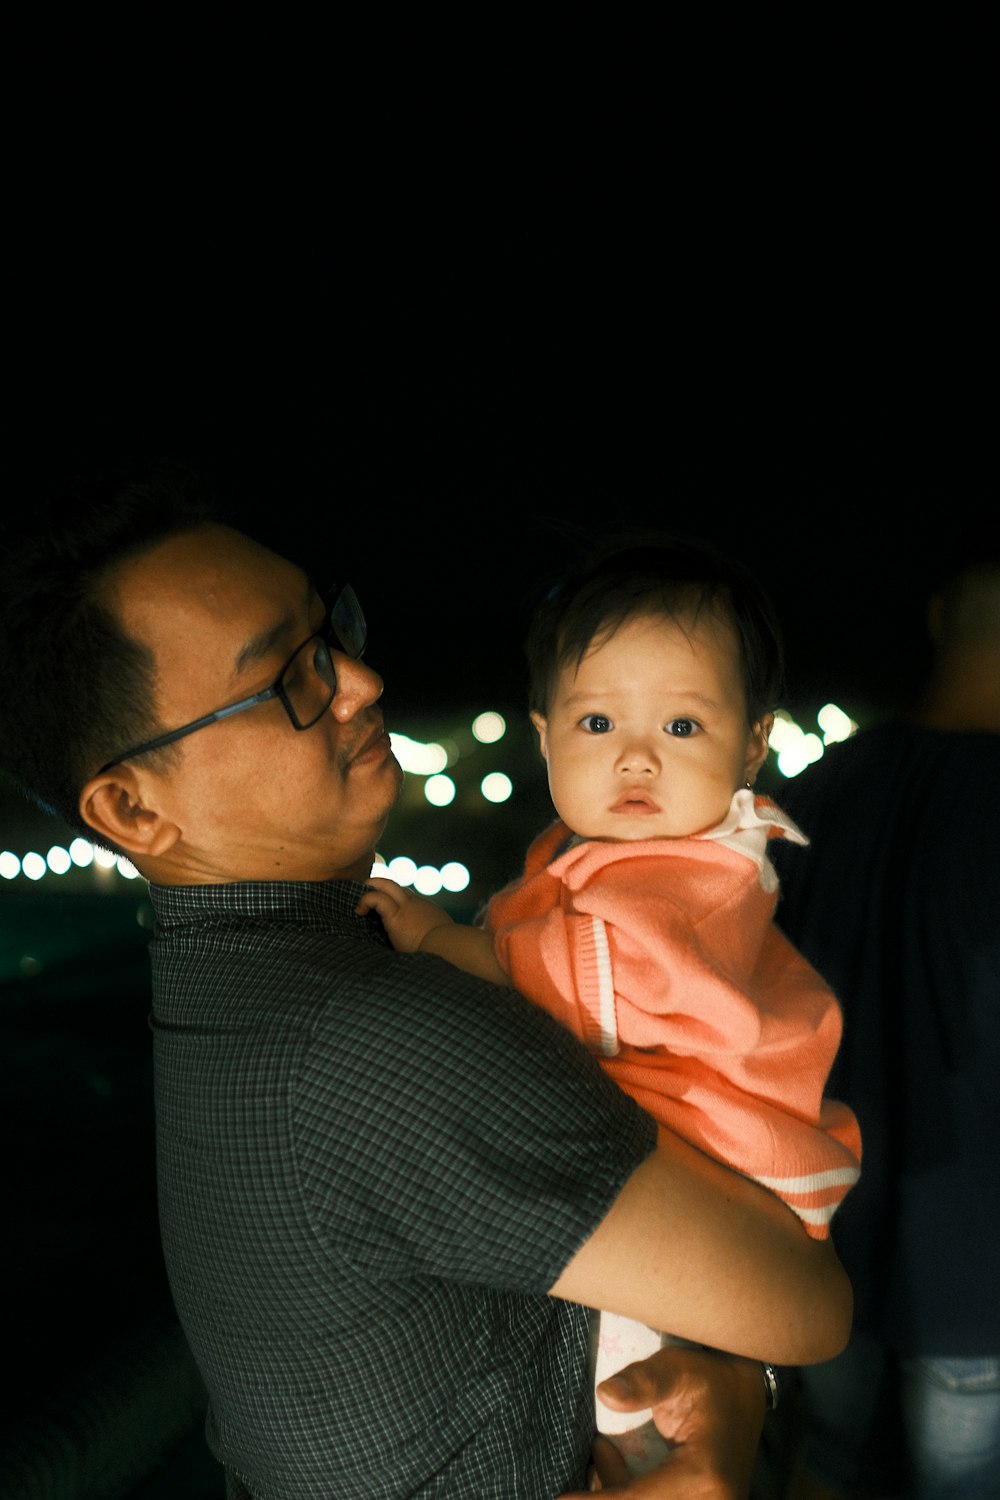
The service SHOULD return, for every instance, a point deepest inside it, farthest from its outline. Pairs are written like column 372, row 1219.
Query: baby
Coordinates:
column 643, row 919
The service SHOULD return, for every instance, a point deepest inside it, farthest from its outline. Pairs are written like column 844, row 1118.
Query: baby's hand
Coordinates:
column 406, row 917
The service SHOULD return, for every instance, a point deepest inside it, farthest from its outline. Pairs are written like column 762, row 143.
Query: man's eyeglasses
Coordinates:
column 306, row 684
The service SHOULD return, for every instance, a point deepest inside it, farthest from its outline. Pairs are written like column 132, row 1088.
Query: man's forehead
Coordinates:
column 213, row 593
column 208, row 562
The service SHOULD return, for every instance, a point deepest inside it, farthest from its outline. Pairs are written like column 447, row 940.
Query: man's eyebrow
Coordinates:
column 263, row 645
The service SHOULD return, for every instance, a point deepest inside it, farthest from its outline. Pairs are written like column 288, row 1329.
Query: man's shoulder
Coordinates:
column 296, row 956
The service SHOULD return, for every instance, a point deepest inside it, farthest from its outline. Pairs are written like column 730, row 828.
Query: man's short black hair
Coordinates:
column 637, row 573
column 73, row 686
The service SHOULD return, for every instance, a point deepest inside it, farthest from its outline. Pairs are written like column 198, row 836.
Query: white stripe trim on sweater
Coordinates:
column 607, row 1018
column 814, row 1183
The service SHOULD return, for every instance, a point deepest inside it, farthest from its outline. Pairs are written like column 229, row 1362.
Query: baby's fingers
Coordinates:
column 379, row 898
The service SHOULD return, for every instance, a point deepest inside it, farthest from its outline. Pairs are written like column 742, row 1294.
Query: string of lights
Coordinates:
column 436, row 765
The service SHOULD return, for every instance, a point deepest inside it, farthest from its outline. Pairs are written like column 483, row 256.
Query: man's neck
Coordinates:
column 195, row 872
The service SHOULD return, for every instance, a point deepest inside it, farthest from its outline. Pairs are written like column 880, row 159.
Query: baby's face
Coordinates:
column 649, row 738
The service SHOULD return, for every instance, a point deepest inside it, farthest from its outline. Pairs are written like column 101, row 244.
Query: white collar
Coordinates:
column 746, row 828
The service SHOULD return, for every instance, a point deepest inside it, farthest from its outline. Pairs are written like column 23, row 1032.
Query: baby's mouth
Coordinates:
column 635, row 801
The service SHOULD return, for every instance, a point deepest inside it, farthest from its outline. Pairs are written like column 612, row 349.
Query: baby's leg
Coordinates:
column 619, row 1342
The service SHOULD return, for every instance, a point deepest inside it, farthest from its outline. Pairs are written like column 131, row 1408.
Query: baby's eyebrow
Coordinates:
column 702, row 698
column 682, row 696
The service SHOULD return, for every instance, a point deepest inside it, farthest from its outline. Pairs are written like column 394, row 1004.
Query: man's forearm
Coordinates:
column 698, row 1251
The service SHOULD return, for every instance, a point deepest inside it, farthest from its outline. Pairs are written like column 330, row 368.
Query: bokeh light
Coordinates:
column 427, row 880
column 439, row 790
column 835, row 724
column 81, row 852
column 489, row 727
column 416, row 757
column 496, row 787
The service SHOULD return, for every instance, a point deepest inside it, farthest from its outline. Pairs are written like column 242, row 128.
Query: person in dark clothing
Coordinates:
column 381, row 1254
column 898, row 905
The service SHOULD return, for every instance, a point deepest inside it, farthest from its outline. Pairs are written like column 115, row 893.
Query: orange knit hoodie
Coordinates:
column 662, row 957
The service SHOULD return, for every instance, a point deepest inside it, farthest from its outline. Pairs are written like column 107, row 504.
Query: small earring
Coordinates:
column 750, row 786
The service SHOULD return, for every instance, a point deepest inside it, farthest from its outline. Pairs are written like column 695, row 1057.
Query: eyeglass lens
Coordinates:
column 309, row 682
column 348, row 622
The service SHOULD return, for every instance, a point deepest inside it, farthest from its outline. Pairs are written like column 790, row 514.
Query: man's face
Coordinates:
column 252, row 797
column 648, row 738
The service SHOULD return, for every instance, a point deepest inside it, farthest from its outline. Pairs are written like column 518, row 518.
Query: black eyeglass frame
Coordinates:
column 332, row 633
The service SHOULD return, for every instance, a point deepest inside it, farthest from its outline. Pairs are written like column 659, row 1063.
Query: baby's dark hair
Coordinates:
column 637, row 573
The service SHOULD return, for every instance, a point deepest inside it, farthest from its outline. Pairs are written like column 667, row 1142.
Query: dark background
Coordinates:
column 432, row 342
column 432, row 352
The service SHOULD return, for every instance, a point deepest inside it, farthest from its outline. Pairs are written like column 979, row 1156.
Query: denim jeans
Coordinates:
column 951, row 1415
column 920, row 1428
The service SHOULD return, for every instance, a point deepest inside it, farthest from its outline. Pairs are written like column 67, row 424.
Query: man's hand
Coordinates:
column 710, row 1407
column 406, row 917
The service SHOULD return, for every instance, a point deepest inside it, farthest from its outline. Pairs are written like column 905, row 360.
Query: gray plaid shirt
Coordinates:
column 371, row 1167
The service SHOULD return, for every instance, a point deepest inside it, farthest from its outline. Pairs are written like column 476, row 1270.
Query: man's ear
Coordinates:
column 114, row 806
column 541, row 723
column 757, row 746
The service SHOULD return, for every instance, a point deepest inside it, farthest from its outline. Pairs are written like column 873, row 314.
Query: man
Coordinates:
column 388, row 1191
column 898, row 905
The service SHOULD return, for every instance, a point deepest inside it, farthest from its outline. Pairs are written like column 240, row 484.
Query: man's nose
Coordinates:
column 358, row 687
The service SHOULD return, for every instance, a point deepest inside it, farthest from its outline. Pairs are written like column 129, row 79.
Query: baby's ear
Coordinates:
column 757, row 746
column 541, row 723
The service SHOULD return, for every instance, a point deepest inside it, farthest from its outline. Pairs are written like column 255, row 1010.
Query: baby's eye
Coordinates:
column 683, row 728
column 596, row 723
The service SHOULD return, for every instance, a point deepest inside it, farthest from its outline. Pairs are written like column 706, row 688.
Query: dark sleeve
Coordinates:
column 448, row 1127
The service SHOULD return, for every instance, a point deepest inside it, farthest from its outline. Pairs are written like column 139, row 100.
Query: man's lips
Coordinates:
column 375, row 746
column 639, row 803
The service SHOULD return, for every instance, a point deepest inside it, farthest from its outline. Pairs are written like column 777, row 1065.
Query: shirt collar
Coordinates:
column 322, row 903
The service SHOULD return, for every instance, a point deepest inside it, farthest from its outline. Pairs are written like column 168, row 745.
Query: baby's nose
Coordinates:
column 639, row 757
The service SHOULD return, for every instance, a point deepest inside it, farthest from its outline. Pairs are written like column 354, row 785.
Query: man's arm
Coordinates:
column 696, row 1250
column 688, row 1246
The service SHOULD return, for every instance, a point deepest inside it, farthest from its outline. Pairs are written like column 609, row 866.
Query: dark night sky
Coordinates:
column 437, row 381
